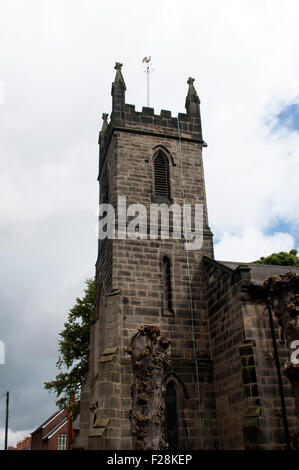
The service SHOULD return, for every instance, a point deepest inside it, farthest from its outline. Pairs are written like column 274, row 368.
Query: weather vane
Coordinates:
column 148, row 70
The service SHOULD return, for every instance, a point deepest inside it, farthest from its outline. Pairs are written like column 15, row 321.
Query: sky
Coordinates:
column 56, row 67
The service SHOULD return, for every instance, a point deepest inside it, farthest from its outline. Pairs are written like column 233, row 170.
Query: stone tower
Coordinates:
column 148, row 159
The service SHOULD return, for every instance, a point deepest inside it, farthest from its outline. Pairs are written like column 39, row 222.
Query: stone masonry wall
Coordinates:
column 238, row 397
column 257, row 328
column 246, row 387
column 226, row 334
column 136, row 289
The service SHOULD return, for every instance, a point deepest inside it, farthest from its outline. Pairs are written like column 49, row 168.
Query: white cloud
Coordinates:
column 251, row 245
column 13, row 437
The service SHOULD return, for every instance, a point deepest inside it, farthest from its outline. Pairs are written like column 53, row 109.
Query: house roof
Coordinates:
column 258, row 272
column 57, row 413
column 54, row 430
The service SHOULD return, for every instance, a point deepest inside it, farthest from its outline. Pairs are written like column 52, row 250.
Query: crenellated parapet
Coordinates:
column 125, row 118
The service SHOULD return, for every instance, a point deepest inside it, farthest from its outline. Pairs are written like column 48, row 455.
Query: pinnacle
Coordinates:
column 192, row 96
column 104, row 126
column 119, row 79
column 118, row 66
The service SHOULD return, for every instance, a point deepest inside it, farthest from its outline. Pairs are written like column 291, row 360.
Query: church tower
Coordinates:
column 150, row 159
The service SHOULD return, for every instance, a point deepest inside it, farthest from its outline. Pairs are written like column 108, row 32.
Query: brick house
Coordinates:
column 221, row 391
column 56, row 433
column 25, row 444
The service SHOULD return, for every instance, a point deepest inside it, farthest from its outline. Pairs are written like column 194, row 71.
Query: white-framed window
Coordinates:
column 62, row 442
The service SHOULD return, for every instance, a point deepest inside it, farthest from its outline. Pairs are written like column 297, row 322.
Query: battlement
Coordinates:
column 163, row 119
column 125, row 118
column 147, row 120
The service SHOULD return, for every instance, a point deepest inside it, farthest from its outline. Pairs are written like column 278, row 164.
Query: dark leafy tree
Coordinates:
column 282, row 259
column 74, row 352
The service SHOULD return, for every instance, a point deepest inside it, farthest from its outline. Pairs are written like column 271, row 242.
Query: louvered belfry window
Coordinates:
column 161, row 172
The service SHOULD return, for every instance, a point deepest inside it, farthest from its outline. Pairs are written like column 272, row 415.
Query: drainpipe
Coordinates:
column 281, row 392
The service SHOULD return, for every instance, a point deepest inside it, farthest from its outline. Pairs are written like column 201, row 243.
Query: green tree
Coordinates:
column 282, row 259
column 74, row 352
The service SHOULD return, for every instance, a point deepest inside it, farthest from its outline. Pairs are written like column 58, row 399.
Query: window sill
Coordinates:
column 167, row 313
column 161, row 200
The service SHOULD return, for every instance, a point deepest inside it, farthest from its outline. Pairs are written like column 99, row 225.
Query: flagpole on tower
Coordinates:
column 148, row 70
column 148, row 85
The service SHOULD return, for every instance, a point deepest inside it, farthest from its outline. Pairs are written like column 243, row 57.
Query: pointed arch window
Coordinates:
column 171, row 417
column 161, row 176
column 167, row 293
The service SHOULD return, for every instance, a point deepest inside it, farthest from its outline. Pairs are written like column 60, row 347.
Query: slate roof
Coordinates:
column 259, row 272
column 54, row 430
column 47, row 421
